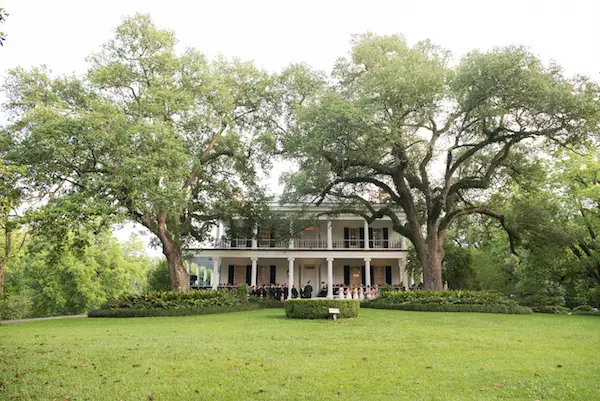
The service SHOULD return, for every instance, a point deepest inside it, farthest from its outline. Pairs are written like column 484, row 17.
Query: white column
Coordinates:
column 412, row 279
column 366, row 234
column 368, row 272
column 329, row 235
column 215, row 274
column 403, row 242
column 253, row 277
column 205, row 274
column 198, row 274
column 290, row 276
column 291, row 243
column 330, row 278
column 403, row 273
column 219, row 231
column 254, row 235
column 187, row 269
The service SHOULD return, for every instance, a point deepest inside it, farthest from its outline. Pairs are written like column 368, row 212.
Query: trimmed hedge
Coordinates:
column 438, row 307
column 206, row 310
column 319, row 308
column 177, row 300
column 268, row 303
column 445, row 298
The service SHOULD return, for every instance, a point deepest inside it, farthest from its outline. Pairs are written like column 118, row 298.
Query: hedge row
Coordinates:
column 446, row 298
column 319, row 308
column 208, row 310
column 438, row 307
column 177, row 300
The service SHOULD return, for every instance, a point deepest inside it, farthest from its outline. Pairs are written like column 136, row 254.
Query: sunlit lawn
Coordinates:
column 262, row 355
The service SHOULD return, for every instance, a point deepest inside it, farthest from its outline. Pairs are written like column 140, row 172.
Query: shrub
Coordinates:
column 14, row 307
column 175, row 300
column 158, row 277
column 319, row 308
column 445, row 298
column 267, row 303
column 188, row 311
column 583, row 308
column 557, row 309
column 440, row 307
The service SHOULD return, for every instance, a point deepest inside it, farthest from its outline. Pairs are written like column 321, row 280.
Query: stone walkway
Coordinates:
column 39, row 318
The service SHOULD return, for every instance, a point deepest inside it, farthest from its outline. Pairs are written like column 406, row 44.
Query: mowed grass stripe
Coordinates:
column 261, row 354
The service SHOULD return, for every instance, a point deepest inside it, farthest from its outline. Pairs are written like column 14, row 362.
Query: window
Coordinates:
column 264, row 237
column 377, row 238
column 354, row 237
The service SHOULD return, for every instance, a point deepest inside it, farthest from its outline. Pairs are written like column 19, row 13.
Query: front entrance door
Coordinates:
column 239, row 276
column 355, row 278
column 309, row 273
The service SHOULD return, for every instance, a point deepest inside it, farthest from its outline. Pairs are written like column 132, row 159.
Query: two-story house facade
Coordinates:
column 339, row 250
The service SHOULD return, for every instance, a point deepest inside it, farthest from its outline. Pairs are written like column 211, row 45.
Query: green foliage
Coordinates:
column 71, row 278
column 176, row 300
column 267, row 302
column 583, row 308
column 242, row 291
column 444, row 307
column 555, row 309
column 158, row 276
column 458, row 269
column 14, row 307
column 179, row 311
column 149, row 135
column 540, row 294
column 373, row 135
column 595, row 297
column 445, row 298
column 319, row 308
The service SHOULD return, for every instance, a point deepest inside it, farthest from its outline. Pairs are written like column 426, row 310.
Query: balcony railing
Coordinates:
column 245, row 243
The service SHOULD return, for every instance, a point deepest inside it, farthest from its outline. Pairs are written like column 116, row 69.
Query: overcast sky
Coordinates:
column 61, row 33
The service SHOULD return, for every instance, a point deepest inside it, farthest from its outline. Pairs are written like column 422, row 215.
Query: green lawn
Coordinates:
column 262, row 355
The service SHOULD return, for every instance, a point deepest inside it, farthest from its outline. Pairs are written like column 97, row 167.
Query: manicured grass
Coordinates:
column 262, row 355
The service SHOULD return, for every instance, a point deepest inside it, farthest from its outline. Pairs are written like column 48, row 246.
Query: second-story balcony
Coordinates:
column 249, row 243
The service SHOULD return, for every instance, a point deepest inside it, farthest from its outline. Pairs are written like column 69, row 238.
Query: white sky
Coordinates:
column 61, row 33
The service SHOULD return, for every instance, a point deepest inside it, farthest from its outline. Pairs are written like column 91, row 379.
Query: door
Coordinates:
column 239, row 275
column 355, row 276
column 309, row 273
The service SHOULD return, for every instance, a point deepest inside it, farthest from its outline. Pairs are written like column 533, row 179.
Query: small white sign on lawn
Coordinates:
column 334, row 312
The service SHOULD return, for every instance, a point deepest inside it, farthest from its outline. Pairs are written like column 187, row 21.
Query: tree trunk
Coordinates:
column 177, row 272
column 430, row 253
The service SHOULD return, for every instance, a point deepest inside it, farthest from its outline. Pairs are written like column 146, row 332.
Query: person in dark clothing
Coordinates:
column 285, row 292
column 308, row 290
column 294, row 292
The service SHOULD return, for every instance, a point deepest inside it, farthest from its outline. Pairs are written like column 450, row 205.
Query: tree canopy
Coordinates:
column 400, row 125
column 168, row 140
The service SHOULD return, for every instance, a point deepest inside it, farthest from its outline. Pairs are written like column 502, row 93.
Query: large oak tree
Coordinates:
column 167, row 140
column 402, row 126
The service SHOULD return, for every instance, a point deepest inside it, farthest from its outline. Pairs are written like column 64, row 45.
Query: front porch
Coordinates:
column 327, row 273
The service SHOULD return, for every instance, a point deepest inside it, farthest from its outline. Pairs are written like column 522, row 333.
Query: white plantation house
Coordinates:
column 338, row 250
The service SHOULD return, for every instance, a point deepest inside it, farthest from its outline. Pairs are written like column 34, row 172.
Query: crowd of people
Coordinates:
column 280, row 292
